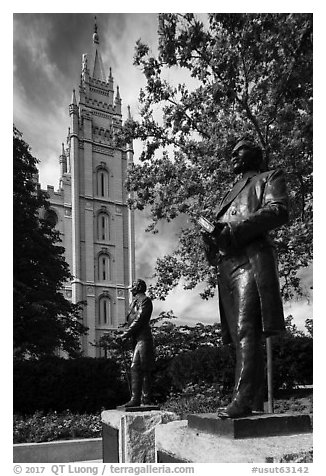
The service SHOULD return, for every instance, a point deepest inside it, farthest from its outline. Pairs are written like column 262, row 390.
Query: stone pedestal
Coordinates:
column 252, row 426
column 208, row 439
column 142, row 408
column 129, row 437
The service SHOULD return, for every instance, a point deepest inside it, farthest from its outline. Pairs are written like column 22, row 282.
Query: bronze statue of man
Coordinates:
column 139, row 330
column 244, row 256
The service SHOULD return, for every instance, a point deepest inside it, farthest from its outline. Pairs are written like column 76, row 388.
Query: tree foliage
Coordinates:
column 248, row 74
column 43, row 319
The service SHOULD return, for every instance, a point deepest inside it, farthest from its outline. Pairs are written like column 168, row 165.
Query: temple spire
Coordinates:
column 97, row 71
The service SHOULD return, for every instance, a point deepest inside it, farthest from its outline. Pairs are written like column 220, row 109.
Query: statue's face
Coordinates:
column 241, row 160
column 138, row 286
column 134, row 288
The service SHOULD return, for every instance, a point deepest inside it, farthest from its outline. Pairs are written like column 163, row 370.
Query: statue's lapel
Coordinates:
column 231, row 195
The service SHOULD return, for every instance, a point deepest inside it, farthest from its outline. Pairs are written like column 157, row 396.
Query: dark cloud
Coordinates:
column 49, row 42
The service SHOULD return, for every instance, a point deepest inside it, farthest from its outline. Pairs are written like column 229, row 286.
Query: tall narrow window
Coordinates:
column 103, row 227
column 105, row 314
column 104, row 267
column 102, row 182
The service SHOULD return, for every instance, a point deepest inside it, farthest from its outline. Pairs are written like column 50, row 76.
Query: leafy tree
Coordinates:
column 291, row 328
column 43, row 319
column 250, row 74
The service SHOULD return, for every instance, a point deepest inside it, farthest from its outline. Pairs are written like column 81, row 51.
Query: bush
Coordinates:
column 292, row 361
column 215, row 364
column 196, row 398
column 207, row 398
column 185, row 356
column 292, row 365
column 55, row 426
column 80, row 385
column 162, row 381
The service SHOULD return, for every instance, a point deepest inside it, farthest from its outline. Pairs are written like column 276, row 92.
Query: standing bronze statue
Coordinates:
column 239, row 247
column 139, row 330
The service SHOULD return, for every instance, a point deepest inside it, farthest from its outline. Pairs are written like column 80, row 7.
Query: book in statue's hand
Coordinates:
column 205, row 224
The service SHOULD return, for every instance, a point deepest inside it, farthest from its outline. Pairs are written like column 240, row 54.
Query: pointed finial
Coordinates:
column 110, row 78
column 95, row 34
column 129, row 113
column 84, row 62
column 73, row 99
column 118, row 93
column 63, row 161
column 73, row 108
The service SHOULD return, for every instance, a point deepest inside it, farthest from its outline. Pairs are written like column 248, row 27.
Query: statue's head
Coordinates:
column 246, row 155
column 138, row 286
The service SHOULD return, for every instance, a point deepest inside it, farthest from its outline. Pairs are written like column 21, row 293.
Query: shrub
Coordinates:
column 196, row 398
column 80, row 385
column 215, row 364
column 292, row 364
column 54, row 426
column 207, row 398
column 185, row 356
column 292, row 361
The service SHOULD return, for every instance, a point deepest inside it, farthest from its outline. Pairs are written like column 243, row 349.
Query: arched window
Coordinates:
column 105, row 311
column 51, row 217
column 102, row 182
column 103, row 229
column 104, row 267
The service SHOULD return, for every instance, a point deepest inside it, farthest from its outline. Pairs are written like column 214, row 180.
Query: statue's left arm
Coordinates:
column 142, row 318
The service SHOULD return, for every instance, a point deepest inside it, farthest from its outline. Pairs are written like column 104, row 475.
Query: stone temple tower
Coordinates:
column 90, row 208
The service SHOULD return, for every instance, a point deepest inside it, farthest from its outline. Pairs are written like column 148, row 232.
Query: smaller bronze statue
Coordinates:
column 139, row 330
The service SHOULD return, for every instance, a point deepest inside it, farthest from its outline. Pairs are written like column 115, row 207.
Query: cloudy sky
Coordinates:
column 47, row 61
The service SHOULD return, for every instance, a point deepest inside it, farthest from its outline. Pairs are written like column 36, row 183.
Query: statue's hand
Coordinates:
column 206, row 237
column 209, row 241
column 219, row 227
column 121, row 339
column 224, row 239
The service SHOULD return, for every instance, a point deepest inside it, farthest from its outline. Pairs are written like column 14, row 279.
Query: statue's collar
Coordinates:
column 248, row 174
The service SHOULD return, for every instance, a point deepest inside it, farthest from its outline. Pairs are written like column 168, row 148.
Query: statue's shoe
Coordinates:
column 146, row 401
column 132, row 403
column 234, row 410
